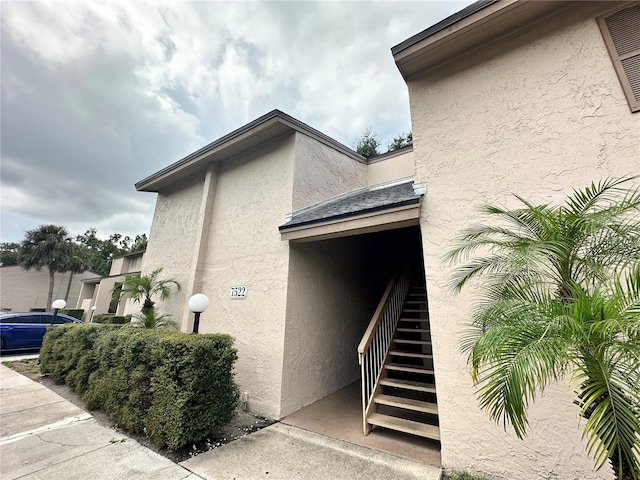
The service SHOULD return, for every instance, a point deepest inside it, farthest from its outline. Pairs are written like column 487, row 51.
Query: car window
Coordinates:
column 20, row 319
column 60, row 320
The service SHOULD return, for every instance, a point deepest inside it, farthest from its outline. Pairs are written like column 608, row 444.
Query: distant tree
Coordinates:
column 368, row 145
column 9, row 253
column 102, row 252
column 139, row 243
column 143, row 288
column 77, row 261
column 401, row 141
column 46, row 246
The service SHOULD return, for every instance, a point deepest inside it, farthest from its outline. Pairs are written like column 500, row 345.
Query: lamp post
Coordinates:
column 93, row 310
column 57, row 305
column 198, row 303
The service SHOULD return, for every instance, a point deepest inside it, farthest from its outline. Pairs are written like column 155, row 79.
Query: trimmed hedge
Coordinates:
column 73, row 312
column 111, row 319
column 176, row 387
column 37, row 309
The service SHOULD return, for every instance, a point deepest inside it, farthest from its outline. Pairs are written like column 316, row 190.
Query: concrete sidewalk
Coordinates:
column 43, row 436
column 283, row 452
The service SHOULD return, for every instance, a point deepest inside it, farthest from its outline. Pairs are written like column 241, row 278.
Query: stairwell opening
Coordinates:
column 334, row 289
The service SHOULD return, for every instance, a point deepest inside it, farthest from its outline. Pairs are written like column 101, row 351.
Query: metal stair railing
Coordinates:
column 375, row 342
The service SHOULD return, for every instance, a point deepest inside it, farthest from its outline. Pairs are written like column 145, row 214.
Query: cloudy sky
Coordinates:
column 97, row 96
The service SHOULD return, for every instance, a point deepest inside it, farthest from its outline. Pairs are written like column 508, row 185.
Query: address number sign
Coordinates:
column 239, row 291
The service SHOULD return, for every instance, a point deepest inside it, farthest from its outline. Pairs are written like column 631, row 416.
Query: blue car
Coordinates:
column 25, row 330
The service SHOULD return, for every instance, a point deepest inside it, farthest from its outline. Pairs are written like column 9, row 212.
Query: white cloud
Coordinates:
column 98, row 95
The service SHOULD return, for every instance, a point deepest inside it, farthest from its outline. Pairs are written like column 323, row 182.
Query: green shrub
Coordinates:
column 73, row 312
column 192, row 387
column 67, row 353
column 175, row 387
column 111, row 319
column 122, row 380
column 464, row 476
column 37, row 309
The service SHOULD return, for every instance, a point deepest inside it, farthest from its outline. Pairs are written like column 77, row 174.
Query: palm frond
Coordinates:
column 609, row 398
column 152, row 320
column 511, row 363
column 606, row 192
column 560, row 286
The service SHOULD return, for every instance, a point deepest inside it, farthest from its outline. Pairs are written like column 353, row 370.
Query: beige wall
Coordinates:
column 126, row 264
column 21, row 290
column 537, row 118
column 104, row 292
column 252, row 198
column 329, row 306
column 171, row 241
column 391, row 167
column 322, row 173
column 117, row 266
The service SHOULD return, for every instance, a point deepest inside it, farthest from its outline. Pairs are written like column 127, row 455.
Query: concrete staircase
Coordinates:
column 405, row 397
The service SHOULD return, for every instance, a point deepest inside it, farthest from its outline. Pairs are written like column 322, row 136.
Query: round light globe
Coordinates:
column 94, row 307
column 198, row 303
column 59, row 303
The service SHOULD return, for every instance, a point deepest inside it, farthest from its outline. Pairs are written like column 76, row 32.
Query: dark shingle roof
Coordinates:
column 364, row 201
column 447, row 22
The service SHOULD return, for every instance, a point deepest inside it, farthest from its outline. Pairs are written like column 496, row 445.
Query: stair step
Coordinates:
column 416, row 330
column 412, row 342
column 405, row 319
column 416, row 294
column 415, row 310
column 399, row 353
column 408, row 385
column 407, row 426
column 414, row 301
column 408, row 368
column 407, row 403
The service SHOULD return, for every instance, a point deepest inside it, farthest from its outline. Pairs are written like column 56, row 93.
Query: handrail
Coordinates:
column 373, row 347
column 375, row 319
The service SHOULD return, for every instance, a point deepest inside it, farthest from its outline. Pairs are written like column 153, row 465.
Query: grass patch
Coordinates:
column 462, row 476
column 28, row 367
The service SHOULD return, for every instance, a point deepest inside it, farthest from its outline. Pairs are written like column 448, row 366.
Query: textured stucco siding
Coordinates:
column 322, row 173
column 252, row 197
column 171, row 241
column 104, row 293
column 117, row 266
column 21, row 290
column 537, row 115
column 328, row 310
column 86, row 296
column 390, row 169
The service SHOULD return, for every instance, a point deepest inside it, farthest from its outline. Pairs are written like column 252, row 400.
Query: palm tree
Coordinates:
column 46, row 246
column 76, row 262
column 560, row 294
column 150, row 319
column 145, row 287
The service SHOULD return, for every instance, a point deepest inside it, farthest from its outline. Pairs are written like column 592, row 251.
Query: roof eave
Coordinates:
column 473, row 27
column 268, row 127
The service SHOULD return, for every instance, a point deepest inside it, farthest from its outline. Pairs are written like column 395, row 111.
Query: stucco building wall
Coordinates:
column 329, row 306
column 536, row 115
column 21, row 290
column 252, row 197
column 171, row 241
column 104, row 292
column 393, row 166
column 322, row 172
